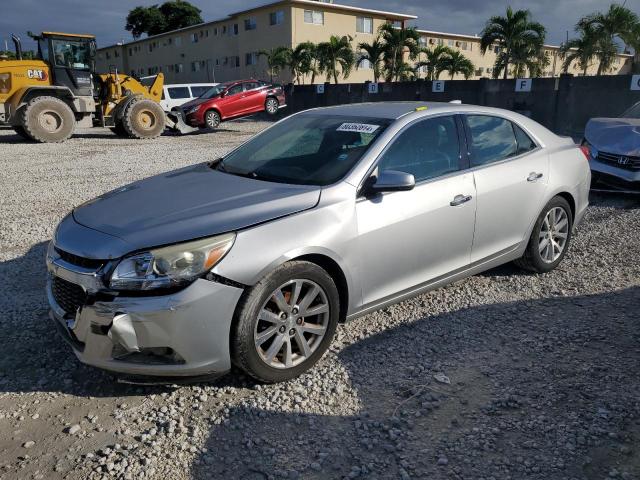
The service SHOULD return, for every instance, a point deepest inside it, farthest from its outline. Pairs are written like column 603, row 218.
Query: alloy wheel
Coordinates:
column 554, row 232
column 272, row 106
column 292, row 323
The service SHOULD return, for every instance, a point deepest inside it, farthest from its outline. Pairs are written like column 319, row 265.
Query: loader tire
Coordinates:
column 144, row 119
column 47, row 119
column 119, row 130
column 22, row 133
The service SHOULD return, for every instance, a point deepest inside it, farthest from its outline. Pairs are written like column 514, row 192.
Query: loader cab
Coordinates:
column 71, row 58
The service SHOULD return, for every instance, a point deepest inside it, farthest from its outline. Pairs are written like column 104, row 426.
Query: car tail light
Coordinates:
column 586, row 151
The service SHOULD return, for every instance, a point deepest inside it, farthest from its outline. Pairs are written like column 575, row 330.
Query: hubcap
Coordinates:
column 50, row 121
column 284, row 339
column 147, row 119
column 272, row 106
column 553, row 234
column 212, row 120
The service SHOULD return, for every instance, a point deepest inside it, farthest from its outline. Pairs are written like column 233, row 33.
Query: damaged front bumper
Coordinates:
column 176, row 335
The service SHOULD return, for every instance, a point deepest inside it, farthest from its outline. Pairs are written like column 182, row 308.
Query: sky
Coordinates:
column 106, row 18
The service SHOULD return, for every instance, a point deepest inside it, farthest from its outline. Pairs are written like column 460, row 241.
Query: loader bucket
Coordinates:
column 175, row 123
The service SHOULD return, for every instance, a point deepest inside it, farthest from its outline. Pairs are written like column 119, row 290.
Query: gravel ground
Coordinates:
column 505, row 375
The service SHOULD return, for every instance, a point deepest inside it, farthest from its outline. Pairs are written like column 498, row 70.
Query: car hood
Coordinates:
column 614, row 135
column 190, row 203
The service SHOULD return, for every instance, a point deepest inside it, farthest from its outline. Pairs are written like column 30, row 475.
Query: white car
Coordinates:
column 179, row 93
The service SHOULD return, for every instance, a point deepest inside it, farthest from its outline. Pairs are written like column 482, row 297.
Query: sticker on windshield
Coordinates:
column 358, row 127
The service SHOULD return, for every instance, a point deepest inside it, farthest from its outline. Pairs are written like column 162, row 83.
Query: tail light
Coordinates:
column 586, row 151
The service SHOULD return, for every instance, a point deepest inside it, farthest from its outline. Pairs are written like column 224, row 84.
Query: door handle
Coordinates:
column 533, row 176
column 460, row 199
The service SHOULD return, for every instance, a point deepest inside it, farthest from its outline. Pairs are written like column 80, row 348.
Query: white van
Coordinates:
column 176, row 94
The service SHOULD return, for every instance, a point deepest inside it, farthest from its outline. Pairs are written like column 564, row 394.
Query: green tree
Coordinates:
column 434, row 60
column 398, row 41
column 155, row 19
column 617, row 22
column 336, row 57
column 515, row 35
column 302, row 61
column 278, row 59
column 456, row 63
column 582, row 49
column 373, row 53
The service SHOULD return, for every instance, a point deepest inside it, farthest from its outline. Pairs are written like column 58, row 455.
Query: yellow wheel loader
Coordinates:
column 45, row 99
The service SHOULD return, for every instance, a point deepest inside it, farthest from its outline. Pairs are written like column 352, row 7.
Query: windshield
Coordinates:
column 633, row 112
column 309, row 149
column 214, row 91
column 72, row 54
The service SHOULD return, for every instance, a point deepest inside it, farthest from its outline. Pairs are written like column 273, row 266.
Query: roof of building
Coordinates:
column 311, row 3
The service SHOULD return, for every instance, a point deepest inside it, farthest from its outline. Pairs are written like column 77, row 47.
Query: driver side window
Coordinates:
column 234, row 90
column 427, row 149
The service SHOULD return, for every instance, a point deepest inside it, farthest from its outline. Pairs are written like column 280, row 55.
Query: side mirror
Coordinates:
column 223, row 94
column 391, row 181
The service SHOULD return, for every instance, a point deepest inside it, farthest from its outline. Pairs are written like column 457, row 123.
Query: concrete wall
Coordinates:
column 563, row 104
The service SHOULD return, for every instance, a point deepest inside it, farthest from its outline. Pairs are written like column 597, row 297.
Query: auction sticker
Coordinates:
column 358, row 127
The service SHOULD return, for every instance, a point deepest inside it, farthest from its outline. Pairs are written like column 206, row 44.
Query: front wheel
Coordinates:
column 143, row 119
column 212, row 119
column 550, row 238
column 271, row 106
column 286, row 322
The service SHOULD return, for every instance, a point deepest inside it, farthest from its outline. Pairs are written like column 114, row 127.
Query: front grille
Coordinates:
column 621, row 161
column 68, row 295
column 80, row 261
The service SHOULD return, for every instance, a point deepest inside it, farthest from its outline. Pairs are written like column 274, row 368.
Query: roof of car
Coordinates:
column 390, row 110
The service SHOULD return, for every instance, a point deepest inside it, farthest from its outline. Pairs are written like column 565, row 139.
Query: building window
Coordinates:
column 440, row 41
column 178, row 41
column 250, row 23
column 314, row 17
column 194, row 38
column 234, row 29
column 178, row 68
column 195, row 66
column 251, row 58
column 366, row 64
column 107, row 55
column 422, row 41
column 276, row 18
column 116, row 54
column 396, row 23
column 130, row 51
column 450, row 43
column 215, row 31
column 364, row 24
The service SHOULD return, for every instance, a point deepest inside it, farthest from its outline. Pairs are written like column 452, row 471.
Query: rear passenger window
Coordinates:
column 251, row 86
column 492, row 139
column 197, row 91
column 178, row 92
column 525, row 144
column 427, row 149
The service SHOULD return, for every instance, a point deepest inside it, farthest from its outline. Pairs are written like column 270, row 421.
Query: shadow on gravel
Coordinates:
column 542, row 389
column 33, row 357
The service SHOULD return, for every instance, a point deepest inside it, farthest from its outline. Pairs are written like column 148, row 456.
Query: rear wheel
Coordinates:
column 119, row 130
column 22, row 132
column 47, row 120
column 286, row 322
column 550, row 238
column 212, row 119
column 271, row 106
column 143, row 119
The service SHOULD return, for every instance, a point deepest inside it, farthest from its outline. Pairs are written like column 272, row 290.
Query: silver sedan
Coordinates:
column 255, row 258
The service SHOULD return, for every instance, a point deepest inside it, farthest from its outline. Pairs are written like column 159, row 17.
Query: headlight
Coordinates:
column 193, row 110
column 170, row 266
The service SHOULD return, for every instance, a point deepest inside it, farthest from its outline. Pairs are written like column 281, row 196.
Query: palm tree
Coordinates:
column 632, row 39
column 619, row 22
column 434, row 60
column 398, row 41
column 374, row 53
column 455, row 62
column 278, row 59
column 581, row 49
column 336, row 57
column 301, row 61
column 514, row 31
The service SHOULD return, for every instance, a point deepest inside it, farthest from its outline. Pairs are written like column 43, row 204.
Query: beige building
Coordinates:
column 227, row 49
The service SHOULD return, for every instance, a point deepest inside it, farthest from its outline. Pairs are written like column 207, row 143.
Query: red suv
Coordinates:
column 232, row 100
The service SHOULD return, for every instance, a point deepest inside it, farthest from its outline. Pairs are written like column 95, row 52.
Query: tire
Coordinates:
column 259, row 300
column 271, row 106
column 542, row 257
column 212, row 119
column 22, row 133
column 143, row 119
column 47, row 119
column 119, row 130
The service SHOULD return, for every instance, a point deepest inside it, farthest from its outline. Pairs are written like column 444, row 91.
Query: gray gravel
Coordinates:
column 505, row 375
